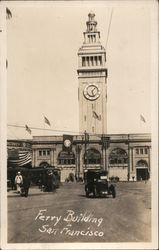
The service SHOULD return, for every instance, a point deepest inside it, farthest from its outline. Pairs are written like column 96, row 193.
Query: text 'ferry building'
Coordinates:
column 125, row 156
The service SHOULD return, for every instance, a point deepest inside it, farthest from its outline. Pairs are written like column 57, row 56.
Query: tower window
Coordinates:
column 93, row 129
column 85, row 117
column 96, row 60
column 100, row 60
column 91, row 60
column 83, row 61
column 146, row 151
column 87, row 61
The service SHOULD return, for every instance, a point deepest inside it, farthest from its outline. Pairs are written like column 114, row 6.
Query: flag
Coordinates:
column 19, row 158
column 8, row 13
column 142, row 118
column 28, row 129
column 47, row 121
column 98, row 117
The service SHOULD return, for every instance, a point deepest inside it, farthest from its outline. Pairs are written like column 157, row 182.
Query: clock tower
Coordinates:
column 92, row 76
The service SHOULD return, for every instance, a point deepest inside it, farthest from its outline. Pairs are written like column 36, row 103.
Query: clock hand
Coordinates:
column 93, row 90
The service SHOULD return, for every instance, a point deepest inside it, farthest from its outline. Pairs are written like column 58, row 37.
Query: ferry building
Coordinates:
column 124, row 156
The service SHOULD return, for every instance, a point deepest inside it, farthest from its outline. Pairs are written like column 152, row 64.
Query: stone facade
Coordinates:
column 125, row 156
column 92, row 81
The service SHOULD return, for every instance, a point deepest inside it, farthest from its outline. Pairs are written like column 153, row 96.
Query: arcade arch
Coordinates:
column 66, row 158
column 92, row 156
column 142, row 172
column 118, row 156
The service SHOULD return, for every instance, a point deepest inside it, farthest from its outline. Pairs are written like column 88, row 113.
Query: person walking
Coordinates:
column 26, row 184
column 18, row 181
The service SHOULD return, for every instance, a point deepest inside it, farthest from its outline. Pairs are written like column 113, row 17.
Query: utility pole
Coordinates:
column 128, row 158
column 105, row 145
column 86, row 139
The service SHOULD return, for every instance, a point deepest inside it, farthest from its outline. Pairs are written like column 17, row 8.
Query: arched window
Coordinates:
column 66, row 158
column 44, row 164
column 118, row 156
column 92, row 156
column 142, row 164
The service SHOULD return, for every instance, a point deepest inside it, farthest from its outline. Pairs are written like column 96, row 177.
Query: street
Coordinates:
column 68, row 216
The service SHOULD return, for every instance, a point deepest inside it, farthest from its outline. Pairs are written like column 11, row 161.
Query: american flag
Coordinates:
column 98, row 117
column 19, row 157
column 142, row 118
column 47, row 121
column 28, row 129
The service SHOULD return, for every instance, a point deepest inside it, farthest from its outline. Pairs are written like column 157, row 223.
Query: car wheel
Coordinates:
column 87, row 194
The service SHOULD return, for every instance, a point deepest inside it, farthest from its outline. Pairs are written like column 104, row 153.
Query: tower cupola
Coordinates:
column 91, row 36
column 91, row 23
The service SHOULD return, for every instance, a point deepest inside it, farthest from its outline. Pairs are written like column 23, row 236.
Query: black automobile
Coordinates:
column 97, row 185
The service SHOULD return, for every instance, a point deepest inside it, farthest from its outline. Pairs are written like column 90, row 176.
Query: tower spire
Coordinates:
column 91, row 23
column 91, row 36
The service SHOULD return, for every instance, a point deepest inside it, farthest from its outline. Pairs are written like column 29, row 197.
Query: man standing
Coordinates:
column 26, row 184
column 18, row 182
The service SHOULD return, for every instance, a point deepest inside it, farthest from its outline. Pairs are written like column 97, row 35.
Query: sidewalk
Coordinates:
column 32, row 191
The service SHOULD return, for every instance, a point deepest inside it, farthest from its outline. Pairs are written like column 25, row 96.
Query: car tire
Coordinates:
column 113, row 193
column 87, row 194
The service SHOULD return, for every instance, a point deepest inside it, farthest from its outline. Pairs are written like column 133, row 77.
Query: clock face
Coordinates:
column 91, row 91
column 67, row 143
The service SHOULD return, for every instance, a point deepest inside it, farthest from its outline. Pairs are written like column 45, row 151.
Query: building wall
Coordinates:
column 125, row 171
column 137, row 147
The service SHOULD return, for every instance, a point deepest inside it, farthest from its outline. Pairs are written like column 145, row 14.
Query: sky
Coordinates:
column 42, row 45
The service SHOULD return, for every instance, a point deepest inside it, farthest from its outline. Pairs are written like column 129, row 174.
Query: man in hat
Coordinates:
column 18, row 181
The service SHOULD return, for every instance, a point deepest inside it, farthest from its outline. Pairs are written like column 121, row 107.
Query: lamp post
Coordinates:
column 105, row 144
column 78, row 150
column 86, row 139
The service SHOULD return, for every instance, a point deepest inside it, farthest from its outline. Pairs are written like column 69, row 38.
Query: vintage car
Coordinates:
column 97, row 185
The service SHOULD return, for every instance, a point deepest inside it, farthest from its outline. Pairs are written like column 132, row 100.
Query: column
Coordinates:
column 81, row 160
column 55, row 155
column 98, row 62
column 107, row 160
column 33, row 158
column 52, row 157
column 130, row 163
column 102, row 159
column 78, row 166
column 149, row 161
column 80, row 61
column 76, row 161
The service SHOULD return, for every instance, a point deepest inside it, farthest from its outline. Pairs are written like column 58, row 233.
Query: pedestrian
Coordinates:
column 26, row 184
column 18, row 181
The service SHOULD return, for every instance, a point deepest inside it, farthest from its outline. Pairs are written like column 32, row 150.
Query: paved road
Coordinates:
column 68, row 216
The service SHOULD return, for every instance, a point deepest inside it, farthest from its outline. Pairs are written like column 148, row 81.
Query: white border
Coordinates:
column 3, row 152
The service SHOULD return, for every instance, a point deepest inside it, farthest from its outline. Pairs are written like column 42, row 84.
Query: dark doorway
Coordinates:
column 142, row 174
